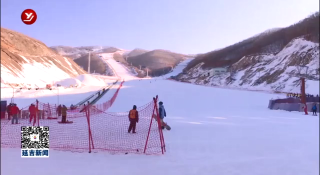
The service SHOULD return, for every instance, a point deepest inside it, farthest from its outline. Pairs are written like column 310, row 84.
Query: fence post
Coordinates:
column 87, row 115
column 37, row 116
column 87, row 110
column 49, row 111
column 163, row 147
column 90, row 126
column 145, row 147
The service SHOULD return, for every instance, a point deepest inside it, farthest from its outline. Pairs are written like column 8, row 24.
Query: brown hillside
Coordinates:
column 14, row 44
column 96, row 64
column 158, row 62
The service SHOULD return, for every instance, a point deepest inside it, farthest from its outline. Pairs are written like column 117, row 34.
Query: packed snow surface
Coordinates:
column 214, row 131
column 121, row 70
column 178, row 69
column 90, row 80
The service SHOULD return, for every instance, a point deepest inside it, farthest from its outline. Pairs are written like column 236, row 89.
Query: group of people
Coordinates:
column 72, row 107
column 134, row 117
column 13, row 111
column 297, row 95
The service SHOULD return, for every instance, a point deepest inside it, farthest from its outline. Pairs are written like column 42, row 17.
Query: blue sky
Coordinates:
column 184, row 26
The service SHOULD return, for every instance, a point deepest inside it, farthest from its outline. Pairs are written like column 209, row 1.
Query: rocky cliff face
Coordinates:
column 268, row 72
column 268, row 61
column 27, row 60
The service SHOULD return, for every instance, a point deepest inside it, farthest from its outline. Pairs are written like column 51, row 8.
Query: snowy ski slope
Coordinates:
column 214, row 131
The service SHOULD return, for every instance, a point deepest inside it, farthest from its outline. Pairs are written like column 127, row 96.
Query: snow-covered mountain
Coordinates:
column 268, row 61
column 25, row 60
column 266, row 71
column 77, row 52
column 157, row 61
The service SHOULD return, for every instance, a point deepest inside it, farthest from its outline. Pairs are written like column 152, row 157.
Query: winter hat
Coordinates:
column 160, row 103
column 134, row 107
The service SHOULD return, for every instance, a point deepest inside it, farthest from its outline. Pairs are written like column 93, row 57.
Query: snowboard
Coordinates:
column 167, row 126
column 67, row 122
column 50, row 118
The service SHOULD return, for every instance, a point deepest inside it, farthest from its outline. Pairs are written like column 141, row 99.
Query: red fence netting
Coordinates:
column 93, row 129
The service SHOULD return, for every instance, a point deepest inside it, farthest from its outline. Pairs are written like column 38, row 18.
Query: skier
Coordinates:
column 64, row 114
column 305, row 108
column 162, row 113
column 14, row 111
column 9, row 111
column 59, row 110
column 314, row 109
column 133, row 118
column 33, row 112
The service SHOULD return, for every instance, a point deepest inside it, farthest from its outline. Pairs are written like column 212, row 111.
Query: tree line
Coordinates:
column 270, row 42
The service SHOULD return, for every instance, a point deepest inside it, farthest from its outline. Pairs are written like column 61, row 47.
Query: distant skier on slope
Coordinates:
column 314, row 109
column 305, row 108
column 133, row 118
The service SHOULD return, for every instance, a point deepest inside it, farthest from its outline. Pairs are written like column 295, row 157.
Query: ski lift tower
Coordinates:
column 302, row 74
column 89, row 59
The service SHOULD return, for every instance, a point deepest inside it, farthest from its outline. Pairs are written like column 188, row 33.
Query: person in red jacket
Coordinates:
column 15, row 111
column 33, row 112
column 9, row 111
column 133, row 118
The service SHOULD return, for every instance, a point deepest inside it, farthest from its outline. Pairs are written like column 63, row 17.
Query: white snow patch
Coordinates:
column 91, row 80
column 69, row 82
column 25, row 59
column 179, row 68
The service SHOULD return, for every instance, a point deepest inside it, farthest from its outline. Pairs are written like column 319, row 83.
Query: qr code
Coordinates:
column 35, row 137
